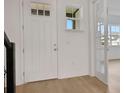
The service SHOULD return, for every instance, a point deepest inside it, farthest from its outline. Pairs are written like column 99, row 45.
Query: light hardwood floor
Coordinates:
column 114, row 76
column 83, row 84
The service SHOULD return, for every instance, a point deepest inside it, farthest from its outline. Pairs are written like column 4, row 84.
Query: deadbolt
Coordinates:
column 55, row 49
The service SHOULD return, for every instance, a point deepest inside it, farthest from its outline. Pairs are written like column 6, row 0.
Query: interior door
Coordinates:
column 101, row 40
column 40, row 40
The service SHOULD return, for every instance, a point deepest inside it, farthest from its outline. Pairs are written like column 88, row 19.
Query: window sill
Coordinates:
column 74, row 30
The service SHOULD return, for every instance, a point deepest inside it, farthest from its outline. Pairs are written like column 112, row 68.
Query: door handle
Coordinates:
column 55, row 49
column 54, row 44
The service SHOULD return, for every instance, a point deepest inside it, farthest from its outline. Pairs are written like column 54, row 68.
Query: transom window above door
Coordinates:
column 40, row 9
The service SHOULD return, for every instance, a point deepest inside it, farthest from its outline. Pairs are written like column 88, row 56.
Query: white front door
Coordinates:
column 101, row 40
column 40, row 40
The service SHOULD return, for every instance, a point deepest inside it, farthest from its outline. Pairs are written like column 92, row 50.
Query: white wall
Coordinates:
column 114, row 7
column 92, row 37
column 114, row 18
column 114, row 52
column 73, row 47
column 12, row 29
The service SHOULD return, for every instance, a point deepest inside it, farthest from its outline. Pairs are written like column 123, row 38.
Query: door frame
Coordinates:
column 22, row 42
column 22, row 39
column 105, row 80
column 93, row 39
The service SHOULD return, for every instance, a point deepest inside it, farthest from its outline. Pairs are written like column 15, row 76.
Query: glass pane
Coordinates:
column 72, row 15
column 76, row 13
column 77, row 24
column 69, row 12
column 69, row 24
column 40, row 9
column 47, row 13
column 34, row 11
column 117, row 29
column 113, row 28
column 115, row 35
column 72, row 24
column 115, row 40
column 72, row 12
column 40, row 12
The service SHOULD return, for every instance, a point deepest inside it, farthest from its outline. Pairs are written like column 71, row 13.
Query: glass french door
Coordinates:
column 101, row 40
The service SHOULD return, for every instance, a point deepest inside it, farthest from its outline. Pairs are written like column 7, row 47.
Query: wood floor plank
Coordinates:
column 114, row 76
column 83, row 84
